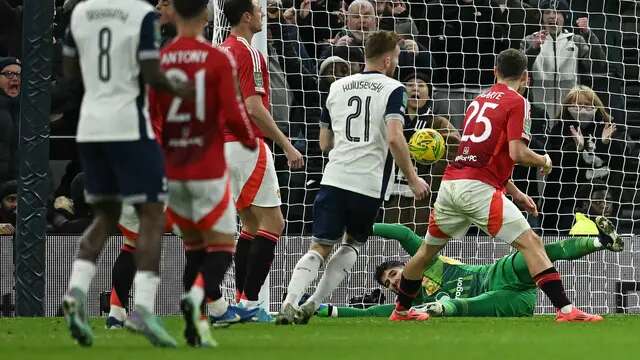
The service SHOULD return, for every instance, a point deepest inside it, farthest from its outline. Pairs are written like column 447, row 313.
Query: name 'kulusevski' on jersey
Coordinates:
column 361, row 148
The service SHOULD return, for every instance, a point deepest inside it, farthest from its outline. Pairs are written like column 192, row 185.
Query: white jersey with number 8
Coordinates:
column 110, row 37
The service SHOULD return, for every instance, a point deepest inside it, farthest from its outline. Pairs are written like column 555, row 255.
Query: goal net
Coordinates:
column 584, row 94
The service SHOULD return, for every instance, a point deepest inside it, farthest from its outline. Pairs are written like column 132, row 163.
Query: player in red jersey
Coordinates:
column 253, row 177
column 200, row 201
column 495, row 137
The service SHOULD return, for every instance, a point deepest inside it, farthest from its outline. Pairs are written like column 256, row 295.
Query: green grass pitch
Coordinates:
column 537, row 338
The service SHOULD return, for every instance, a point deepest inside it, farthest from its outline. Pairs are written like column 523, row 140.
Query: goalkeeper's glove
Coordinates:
column 433, row 308
column 327, row 310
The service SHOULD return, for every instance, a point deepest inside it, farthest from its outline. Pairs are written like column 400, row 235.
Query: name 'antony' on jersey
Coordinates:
column 357, row 111
column 111, row 37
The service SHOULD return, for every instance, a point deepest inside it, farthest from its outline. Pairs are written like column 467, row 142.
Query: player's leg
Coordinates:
column 360, row 216
column 575, row 248
column 124, row 269
column 445, row 221
column 122, row 273
column 139, row 167
column 329, row 214
column 506, row 223
column 265, row 206
column 243, row 246
column 103, row 194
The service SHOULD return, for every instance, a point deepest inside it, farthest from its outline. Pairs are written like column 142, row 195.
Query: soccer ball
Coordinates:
column 427, row 146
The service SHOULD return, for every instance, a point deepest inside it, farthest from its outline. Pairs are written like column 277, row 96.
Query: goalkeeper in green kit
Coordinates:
column 451, row 288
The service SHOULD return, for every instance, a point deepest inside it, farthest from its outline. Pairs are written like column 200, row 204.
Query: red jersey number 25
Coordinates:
column 477, row 115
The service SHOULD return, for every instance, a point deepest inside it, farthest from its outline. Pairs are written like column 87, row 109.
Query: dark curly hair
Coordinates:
column 389, row 264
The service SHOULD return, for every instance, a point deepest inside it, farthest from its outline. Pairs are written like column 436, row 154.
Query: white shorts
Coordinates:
column 129, row 224
column 461, row 203
column 253, row 175
column 202, row 205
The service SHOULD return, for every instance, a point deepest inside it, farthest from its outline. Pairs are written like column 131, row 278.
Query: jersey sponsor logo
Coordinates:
column 459, row 287
column 430, row 286
column 99, row 14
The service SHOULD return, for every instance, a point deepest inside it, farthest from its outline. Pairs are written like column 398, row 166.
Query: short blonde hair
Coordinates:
column 591, row 97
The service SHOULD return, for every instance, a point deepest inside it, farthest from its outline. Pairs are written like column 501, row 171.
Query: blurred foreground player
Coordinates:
column 200, row 200
column 112, row 43
column 495, row 137
column 253, row 177
column 362, row 127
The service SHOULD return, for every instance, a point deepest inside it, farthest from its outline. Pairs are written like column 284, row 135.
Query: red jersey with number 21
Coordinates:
column 253, row 74
column 192, row 131
column 492, row 120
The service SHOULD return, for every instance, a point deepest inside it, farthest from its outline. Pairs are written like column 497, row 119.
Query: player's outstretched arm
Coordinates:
column 409, row 240
column 263, row 119
column 233, row 110
column 343, row 311
column 326, row 139
column 522, row 155
column 497, row 303
column 400, row 151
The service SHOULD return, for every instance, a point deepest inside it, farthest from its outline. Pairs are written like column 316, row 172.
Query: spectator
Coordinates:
column 10, row 79
column 557, row 57
column 10, row 29
column 319, row 21
column 394, row 16
column 360, row 21
column 465, row 36
column 401, row 207
column 599, row 201
column 70, row 215
column 583, row 150
column 8, row 207
column 332, row 69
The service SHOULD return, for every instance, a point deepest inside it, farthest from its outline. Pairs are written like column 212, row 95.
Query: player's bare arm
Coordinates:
column 524, row 201
column 153, row 76
column 400, row 151
column 263, row 119
column 522, row 155
column 326, row 139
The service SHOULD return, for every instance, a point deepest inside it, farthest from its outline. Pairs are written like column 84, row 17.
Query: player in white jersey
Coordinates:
column 113, row 45
column 361, row 123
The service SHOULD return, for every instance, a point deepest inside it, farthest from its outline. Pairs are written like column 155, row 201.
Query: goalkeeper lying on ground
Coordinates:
column 451, row 288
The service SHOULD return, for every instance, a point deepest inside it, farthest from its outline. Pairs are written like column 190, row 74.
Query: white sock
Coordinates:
column 248, row 304
column 566, row 309
column 337, row 269
column 146, row 283
column 82, row 272
column 197, row 294
column 118, row 312
column 218, row 307
column 304, row 273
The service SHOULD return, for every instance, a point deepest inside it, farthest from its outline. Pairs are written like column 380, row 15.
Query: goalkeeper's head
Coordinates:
column 388, row 274
column 511, row 69
column 381, row 52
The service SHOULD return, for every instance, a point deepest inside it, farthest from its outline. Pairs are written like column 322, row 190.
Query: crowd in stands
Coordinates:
column 447, row 57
